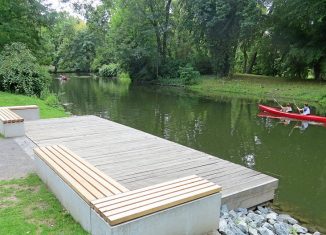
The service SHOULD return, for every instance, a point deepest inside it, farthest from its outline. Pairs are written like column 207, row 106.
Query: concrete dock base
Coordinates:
column 70, row 200
column 197, row 217
column 12, row 129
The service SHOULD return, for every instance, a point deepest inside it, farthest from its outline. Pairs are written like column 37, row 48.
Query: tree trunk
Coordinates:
column 165, row 33
column 252, row 62
column 245, row 59
column 317, row 70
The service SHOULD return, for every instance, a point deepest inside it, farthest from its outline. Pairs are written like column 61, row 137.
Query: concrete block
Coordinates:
column 198, row 217
column 12, row 129
column 70, row 200
column 29, row 114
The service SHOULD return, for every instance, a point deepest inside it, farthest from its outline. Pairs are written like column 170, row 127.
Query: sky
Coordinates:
column 67, row 6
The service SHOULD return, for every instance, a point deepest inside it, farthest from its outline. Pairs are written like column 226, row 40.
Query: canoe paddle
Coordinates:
column 296, row 106
column 278, row 102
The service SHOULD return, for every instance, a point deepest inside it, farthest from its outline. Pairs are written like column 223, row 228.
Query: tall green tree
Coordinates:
column 299, row 33
column 218, row 23
column 22, row 21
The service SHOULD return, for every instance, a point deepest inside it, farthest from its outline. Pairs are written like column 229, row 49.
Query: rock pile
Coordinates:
column 262, row 221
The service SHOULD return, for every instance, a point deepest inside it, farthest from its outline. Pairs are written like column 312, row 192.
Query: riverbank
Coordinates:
column 48, row 107
column 262, row 88
column 262, row 220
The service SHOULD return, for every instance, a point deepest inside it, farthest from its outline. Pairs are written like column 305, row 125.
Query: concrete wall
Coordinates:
column 12, row 129
column 70, row 200
column 198, row 217
column 28, row 114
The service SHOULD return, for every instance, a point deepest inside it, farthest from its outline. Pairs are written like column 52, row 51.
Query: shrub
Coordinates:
column 189, row 75
column 109, row 71
column 20, row 73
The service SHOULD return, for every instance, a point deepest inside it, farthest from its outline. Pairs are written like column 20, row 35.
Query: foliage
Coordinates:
column 151, row 39
column 19, row 71
column 109, row 70
column 189, row 75
column 263, row 87
column 124, row 78
column 28, row 207
column 8, row 99
column 22, row 21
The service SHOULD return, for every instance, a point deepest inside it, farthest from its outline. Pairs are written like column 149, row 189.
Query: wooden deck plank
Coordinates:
column 136, row 159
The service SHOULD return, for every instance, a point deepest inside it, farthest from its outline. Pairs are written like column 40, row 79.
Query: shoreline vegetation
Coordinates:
column 261, row 88
column 49, row 107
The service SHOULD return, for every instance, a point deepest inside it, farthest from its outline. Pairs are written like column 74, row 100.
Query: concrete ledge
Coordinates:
column 76, row 206
column 28, row 112
column 12, row 129
column 198, row 217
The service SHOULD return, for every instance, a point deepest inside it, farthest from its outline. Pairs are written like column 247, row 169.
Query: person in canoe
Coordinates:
column 305, row 110
column 287, row 108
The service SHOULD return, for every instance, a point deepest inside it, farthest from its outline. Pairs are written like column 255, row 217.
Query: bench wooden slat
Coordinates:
column 147, row 199
column 108, row 188
column 73, row 174
column 11, row 115
column 131, row 205
column 111, row 184
column 161, row 205
column 152, row 192
column 67, row 178
column 7, row 116
column 89, row 182
column 153, row 187
column 83, row 172
column 22, row 107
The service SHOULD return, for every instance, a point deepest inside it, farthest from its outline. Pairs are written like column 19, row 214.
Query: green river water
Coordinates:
column 226, row 128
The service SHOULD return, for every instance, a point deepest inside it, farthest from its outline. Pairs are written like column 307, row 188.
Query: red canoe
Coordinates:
column 278, row 112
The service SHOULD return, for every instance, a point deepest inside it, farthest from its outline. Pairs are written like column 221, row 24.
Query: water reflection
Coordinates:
column 227, row 128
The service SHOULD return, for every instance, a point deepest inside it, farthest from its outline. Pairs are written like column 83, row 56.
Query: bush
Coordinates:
column 20, row 73
column 109, row 71
column 189, row 75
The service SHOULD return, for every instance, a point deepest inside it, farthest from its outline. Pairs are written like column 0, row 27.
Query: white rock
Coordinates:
column 281, row 229
column 271, row 215
column 300, row 229
column 265, row 231
column 252, row 231
column 223, row 226
column 242, row 226
column 263, row 210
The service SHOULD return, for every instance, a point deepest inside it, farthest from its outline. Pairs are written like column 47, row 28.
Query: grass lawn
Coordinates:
column 8, row 99
column 262, row 87
column 27, row 207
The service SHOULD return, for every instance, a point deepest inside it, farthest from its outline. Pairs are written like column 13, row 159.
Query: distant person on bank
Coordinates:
column 305, row 110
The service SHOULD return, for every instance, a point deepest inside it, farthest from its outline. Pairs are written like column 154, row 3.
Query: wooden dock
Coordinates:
column 137, row 159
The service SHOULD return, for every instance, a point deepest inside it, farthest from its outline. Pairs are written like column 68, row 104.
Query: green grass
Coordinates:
column 262, row 87
column 8, row 99
column 27, row 207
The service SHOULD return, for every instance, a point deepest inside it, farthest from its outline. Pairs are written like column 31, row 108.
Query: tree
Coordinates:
column 22, row 21
column 20, row 72
column 300, row 36
column 218, row 23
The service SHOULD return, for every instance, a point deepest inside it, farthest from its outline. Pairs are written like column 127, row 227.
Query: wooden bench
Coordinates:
column 11, row 124
column 67, row 175
column 188, row 205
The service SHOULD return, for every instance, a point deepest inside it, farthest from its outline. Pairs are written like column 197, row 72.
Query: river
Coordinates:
column 228, row 128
